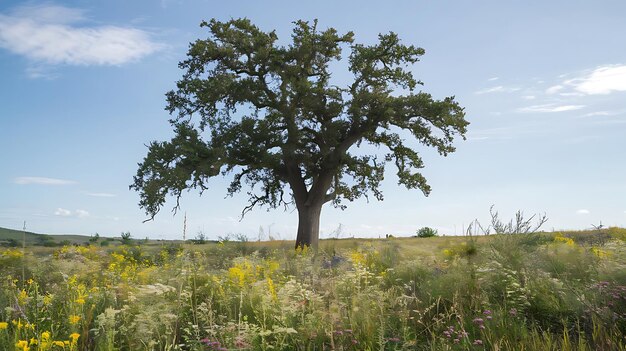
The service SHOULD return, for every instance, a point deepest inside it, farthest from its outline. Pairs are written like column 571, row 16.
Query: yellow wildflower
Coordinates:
column 358, row 258
column 22, row 297
column 72, row 280
column 12, row 253
column 242, row 273
column 45, row 341
column 560, row 238
column 22, row 345
column 80, row 301
column 74, row 337
column 4, row 325
column 600, row 253
column 17, row 323
column 74, row 319
column 237, row 274
column 58, row 343
column 271, row 288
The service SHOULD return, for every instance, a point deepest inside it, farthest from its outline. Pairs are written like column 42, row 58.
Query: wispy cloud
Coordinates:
column 583, row 212
column 493, row 79
column 41, row 72
column 497, row 133
column 166, row 3
column 81, row 213
column 62, row 212
column 497, row 89
column 604, row 113
column 55, row 35
column 554, row 89
column 548, row 108
column 42, row 181
column 100, row 194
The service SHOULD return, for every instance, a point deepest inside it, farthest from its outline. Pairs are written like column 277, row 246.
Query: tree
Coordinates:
column 270, row 116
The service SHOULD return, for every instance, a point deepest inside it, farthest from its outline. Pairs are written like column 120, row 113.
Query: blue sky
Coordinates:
column 543, row 84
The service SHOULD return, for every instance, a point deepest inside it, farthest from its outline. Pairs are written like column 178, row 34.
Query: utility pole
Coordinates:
column 185, row 228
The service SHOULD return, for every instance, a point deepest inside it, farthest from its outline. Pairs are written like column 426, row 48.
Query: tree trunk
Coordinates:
column 308, row 226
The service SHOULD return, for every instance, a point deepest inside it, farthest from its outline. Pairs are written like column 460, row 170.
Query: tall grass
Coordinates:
column 499, row 292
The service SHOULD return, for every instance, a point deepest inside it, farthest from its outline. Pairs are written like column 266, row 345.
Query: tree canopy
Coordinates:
column 270, row 116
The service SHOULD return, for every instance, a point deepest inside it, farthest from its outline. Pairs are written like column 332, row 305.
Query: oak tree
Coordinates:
column 269, row 115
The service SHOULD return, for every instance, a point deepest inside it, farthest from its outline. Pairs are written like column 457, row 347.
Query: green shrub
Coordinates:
column 426, row 232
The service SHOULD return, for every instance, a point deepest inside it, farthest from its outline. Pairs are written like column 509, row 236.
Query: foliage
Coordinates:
column 94, row 238
column 200, row 238
column 426, row 232
column 272, row 116
column 126, row 238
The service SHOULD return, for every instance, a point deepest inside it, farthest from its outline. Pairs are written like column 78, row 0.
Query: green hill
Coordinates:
column 12, row 237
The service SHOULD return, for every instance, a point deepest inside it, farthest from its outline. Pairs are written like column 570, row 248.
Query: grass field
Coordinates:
column 544, row 291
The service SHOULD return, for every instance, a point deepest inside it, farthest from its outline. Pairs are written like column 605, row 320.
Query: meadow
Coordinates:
column 534, row 291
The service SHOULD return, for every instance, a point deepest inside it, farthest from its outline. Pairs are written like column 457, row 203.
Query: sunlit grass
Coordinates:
column 545, row 291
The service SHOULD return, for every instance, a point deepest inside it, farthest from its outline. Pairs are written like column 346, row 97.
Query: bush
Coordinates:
column 126, row 240
column 426, row 232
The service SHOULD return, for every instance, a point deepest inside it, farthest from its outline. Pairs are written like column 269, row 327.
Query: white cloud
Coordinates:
column 582, row 212
column 529, row 97
column 81, row 213
column 51, row 35
column 554, row 89
column 550, row 108
column 101, row 194
column 603, row 80
column 67, row 213
column 493, row 79
column 42, row 181
column 62, row 212
column 497, row 89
